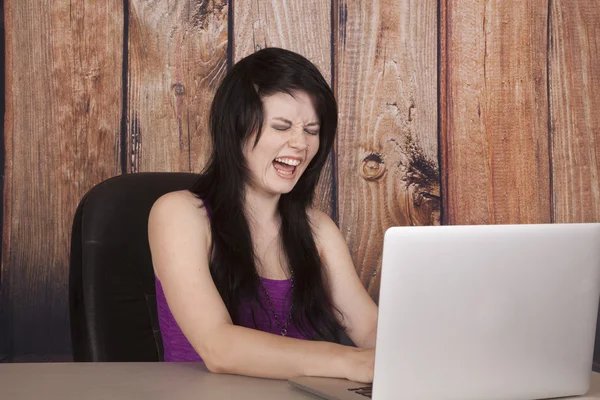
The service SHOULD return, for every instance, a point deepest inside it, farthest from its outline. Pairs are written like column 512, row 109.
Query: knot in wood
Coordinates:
column 94, row 75
column 373, row 167
column 178, row 89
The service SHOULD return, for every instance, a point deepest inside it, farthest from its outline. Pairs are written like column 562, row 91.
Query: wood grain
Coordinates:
column 574, row 103
column 177, row 56
column 63, row 111
column 302, row 26
column 496, row 136
column 4, row 322
column 386, row 83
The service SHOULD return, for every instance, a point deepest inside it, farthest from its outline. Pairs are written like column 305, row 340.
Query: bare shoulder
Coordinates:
column 319, row 219
column 331, row 245
column 177, row 199
column 178, row 206
column 178, row 224
column 324, row 229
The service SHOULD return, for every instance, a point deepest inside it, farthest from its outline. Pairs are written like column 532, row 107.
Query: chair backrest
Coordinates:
column 112, row 302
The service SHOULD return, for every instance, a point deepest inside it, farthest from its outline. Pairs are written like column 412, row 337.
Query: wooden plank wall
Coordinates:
column 497, row 112
column 62, row 130
column 177, row 56
column 387, row 161
column 574, row 81
column 3, row 314
column 456, row 112
column 519, row 140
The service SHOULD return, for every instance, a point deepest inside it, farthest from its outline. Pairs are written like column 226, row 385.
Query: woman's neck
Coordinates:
column 261, row 207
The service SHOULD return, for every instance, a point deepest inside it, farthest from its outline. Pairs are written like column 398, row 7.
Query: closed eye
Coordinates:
column 285, row 128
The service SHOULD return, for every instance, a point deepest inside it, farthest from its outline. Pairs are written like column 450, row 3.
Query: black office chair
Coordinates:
column 112, row 302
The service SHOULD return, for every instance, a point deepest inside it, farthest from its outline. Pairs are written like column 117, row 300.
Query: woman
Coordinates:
column 250, row 278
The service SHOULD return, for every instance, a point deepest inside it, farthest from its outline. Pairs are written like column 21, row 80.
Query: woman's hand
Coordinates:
column 360, row 364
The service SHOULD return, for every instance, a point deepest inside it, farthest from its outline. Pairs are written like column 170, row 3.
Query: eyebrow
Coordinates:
column 287, row 121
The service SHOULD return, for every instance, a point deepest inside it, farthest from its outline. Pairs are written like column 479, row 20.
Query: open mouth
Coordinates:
column 286, row 167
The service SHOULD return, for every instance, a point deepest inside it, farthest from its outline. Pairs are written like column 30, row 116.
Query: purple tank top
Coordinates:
column 178, row 349
column 176, row 346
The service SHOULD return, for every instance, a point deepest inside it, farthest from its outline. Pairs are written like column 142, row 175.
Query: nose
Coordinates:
column 298, row 140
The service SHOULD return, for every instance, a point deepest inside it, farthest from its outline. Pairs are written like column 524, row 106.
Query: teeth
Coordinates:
column 288, row 161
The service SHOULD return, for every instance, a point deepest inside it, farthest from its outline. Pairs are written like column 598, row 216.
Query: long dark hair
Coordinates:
column 236, row 113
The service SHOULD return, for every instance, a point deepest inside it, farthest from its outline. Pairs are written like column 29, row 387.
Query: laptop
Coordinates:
column 482, row 312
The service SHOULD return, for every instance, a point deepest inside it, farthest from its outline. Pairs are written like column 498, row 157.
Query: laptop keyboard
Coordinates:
column 364, row 390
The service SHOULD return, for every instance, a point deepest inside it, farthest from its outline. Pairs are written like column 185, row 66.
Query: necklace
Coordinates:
column 282, row 327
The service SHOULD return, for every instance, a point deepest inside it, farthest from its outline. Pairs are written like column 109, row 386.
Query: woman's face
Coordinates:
column 288, row 142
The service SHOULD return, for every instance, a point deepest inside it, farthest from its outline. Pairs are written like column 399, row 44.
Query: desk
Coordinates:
column 134, row 381
column 147, row 381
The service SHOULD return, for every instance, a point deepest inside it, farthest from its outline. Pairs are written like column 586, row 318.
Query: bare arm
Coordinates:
column 179, row 235
column 359, row 311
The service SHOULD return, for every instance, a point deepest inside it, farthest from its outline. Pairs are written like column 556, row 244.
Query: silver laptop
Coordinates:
column 482, row 312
